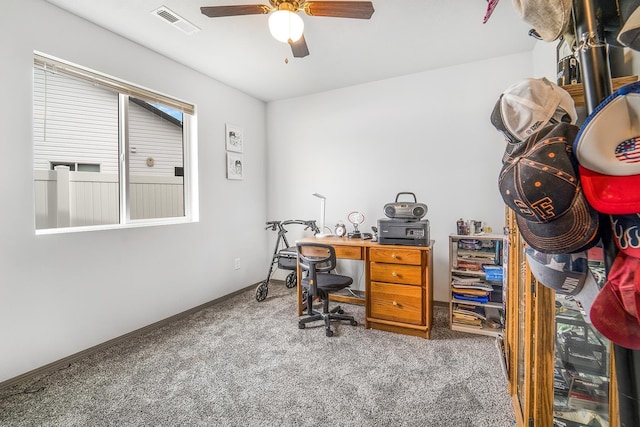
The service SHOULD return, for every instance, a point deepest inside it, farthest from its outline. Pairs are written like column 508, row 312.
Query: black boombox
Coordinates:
column 406, row 211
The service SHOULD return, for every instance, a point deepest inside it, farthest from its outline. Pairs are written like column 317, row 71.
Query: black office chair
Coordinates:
column 318, row 260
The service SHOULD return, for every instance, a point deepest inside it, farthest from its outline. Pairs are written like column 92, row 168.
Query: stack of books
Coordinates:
column 468, row 315
column 468, row 264
column 474, row 263
column 478, row 257
column 470, row 289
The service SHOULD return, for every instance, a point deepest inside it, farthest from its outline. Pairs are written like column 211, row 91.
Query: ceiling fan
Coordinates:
column 286, row 25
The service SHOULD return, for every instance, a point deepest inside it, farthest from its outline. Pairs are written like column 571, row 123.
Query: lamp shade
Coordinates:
column 321, row 234
column 285, row 25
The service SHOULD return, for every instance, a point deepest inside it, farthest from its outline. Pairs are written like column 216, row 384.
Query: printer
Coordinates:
column 403, row 232
column 404, row 224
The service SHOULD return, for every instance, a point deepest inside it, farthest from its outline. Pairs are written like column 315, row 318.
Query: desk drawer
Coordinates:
column 348, row 252
column 399, row 303
column 396, row 273
column 395, row 255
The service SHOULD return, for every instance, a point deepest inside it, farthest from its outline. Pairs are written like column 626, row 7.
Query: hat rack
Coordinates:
column 597, row 85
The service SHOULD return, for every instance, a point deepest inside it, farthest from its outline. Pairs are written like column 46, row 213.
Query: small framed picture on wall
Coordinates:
column 233, row 138
column 234, row 166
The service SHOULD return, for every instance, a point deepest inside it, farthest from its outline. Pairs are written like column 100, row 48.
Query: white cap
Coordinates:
column 529, row 105
column 550, row 18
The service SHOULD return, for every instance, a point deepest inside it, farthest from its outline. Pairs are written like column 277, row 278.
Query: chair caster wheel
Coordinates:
column 329, row 333
column 301, row 325
column 354, row 323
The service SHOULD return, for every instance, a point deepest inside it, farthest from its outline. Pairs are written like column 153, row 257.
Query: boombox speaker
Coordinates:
column 403, row 210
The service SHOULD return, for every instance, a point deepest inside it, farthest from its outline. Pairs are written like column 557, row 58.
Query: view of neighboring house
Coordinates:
column 81, row 132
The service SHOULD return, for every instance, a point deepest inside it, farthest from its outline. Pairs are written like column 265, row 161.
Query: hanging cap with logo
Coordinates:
column 608, row 150
column 567, row 274
column 564, row 273
column 529, row 105
column 541, row 185
column 615, row 312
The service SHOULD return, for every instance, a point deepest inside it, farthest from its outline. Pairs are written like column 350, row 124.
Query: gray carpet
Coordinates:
column 246, row 363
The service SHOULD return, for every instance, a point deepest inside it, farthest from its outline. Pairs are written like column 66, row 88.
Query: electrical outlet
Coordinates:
column 236, row 264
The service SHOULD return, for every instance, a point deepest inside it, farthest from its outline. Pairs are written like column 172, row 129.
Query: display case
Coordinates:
column 559, row 366
column 477, row 283
column 581, row 385
column 519, row 338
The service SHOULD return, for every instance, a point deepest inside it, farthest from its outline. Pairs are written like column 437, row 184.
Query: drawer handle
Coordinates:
column 394, row 256
column 394, row 274
column 395, row 303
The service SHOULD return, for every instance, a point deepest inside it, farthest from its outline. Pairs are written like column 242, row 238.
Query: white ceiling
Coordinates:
column 402, row 37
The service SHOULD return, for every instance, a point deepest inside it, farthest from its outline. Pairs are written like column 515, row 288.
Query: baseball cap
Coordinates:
column 550, row 18
column 608, row 150
column 567, row 274
column 626, row 233
column 529, row 105
column 616, row 309
column 609, row 139
column 542, row 187
column 611, row 194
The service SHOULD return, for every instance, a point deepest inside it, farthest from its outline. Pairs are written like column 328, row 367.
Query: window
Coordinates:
column 106, row 153
column 82, row 167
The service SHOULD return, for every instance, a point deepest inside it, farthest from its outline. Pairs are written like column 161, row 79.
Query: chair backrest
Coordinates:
column 316, row 257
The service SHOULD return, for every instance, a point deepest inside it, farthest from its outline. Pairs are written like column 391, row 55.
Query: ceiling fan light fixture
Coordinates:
column 285, row 25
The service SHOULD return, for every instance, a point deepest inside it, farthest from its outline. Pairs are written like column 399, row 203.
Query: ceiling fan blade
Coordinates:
column 340, row 9
column 245, row 9
column 299, row 48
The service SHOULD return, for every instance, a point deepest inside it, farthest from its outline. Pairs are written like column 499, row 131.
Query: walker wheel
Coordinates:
column 290, row 281
column 354, row 323
column 261, row 291
column 329, row 333
column 301, row 325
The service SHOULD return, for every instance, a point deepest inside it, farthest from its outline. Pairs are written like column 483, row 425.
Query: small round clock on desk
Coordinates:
column 340, row 229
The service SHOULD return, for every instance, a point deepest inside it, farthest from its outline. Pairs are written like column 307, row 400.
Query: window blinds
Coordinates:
column 58, row 66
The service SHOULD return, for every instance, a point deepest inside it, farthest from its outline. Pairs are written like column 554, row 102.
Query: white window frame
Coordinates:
column 125, row 89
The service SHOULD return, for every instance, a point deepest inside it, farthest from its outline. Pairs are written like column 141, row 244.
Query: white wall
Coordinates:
column 544, row 61
column 427, row 133
column 63, row 293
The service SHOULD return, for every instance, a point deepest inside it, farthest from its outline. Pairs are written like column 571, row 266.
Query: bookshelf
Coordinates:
column 476, row 281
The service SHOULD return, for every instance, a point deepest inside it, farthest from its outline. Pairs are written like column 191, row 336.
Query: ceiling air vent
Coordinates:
column 176, row 20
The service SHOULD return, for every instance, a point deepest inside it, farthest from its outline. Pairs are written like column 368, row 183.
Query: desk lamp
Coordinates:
column 321, row 234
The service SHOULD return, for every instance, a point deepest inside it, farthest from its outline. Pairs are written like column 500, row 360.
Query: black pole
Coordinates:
column 594, row 61
column 596, row 82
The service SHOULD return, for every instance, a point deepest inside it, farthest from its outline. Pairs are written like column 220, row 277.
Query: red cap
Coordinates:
column 615, row 312
column 611, row 194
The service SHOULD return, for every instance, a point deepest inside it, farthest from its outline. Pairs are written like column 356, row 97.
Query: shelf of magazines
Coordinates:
column 476, row 277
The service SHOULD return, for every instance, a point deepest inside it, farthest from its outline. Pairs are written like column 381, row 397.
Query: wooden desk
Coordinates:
column 398, row 284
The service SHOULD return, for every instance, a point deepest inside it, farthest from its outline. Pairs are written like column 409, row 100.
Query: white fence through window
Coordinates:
column 72, row 199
